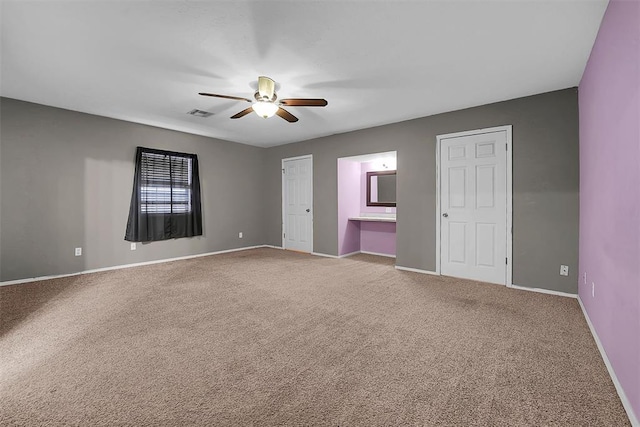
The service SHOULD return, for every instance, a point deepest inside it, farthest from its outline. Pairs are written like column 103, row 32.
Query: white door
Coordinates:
column 297, row 203
column 473, row 206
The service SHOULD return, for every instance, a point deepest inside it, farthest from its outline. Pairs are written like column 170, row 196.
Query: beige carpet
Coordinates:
column 267, row 337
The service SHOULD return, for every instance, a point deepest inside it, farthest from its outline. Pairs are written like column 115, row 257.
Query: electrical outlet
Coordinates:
column 584, row 277
column 78, row 252
column 564, row 270
column 593, row 290
column 240, row 235
column 133, row 246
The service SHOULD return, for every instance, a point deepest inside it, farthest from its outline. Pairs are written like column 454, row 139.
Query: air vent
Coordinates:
column 200, row 113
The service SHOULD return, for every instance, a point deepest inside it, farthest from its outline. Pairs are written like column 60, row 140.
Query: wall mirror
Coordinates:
column 381, row 188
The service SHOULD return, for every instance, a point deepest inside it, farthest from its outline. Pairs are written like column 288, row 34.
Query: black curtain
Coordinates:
column 165, row 201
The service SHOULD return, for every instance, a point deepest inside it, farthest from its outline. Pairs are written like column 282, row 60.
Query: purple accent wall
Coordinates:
column 348, row 206
column 378, row 237
column 354, row 236
column 609, row 103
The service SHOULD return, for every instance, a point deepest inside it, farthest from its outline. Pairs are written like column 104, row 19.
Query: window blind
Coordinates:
column 166, row 183
column 165, row 202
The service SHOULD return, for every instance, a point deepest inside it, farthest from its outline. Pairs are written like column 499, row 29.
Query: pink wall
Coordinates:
column 609, row 102
column 354, row 236
column 378, row 237
column 348, row 206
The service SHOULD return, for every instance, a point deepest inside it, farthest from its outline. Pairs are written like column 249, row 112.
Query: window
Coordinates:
column 166, row 183
column 165, row 201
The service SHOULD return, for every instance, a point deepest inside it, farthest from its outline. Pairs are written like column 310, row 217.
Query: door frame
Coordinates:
column 282, row 184
column 508, row 129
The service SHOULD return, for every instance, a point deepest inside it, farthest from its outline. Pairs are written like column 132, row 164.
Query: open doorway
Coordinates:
column 367, row 204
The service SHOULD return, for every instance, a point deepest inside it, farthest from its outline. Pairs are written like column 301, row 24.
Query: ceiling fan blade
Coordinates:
column 236, row 98
column 286, row 115
column 302, row 102
column 242, row 113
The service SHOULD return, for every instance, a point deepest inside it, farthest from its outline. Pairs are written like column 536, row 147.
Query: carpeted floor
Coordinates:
column 267, row 337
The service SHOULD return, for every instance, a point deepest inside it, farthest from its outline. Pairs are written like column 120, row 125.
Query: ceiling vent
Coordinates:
column 200, row 113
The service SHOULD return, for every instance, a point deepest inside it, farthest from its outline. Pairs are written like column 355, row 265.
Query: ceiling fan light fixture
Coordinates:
column 265, row 109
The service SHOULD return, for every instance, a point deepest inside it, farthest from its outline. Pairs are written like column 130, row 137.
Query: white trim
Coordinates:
column 270, row 246
column 324, row 255
column 623, row 397
column 306, row 156
column 122, row 266
column 348, row 255
column 508, row 129
column 416, row 270
column 509, row 279
column 377, row 254
column 474, row 132
column 438, row 208
column 544, row 291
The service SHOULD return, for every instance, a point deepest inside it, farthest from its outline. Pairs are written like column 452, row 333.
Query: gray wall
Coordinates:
column 545, row 183
column 66, row 181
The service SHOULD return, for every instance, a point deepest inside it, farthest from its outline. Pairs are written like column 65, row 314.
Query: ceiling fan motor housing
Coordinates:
column 266, row 89
column 262, row 98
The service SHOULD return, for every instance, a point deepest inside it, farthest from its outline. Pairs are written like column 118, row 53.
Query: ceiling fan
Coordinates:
column 267, row 104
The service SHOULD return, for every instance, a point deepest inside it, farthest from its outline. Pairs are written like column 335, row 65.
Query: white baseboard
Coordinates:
column 377, row 254
column 623, row 397
column 544, row 291
column 271, row 246
column 416, row 270
column 137, row 264
column 324, row 255
column 349, row 254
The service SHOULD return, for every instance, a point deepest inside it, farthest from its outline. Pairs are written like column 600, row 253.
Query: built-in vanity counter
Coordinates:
column 373, row 218
column 377, row 233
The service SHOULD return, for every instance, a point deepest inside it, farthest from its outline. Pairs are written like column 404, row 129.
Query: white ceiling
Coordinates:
column 376, row 62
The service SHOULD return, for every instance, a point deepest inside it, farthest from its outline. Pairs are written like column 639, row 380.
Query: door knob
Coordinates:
column 446, row 215
column 308, row 210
